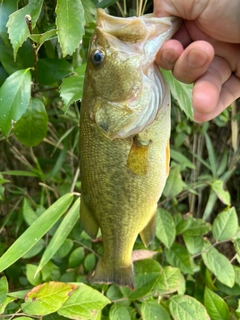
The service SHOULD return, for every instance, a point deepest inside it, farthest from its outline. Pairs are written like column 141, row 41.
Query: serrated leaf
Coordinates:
column 17, row 26
column 6, row 8
column 90, row 11
column 61, row 234
column 47, row 298
column 168, row 281
column 220, row 266
column 70, row 23
column 71, row 90
column 84, row 302
column 154, row 310
column 179, row 257
column 187, row 308
column 181, row 92
column 43, row 37
column 119, row 312
column 3, row 289
column 52, row 70
column 225, row 225
column 32, row 127
column 215, row 305
column 164, row 224
column 14, row 98
column 223, row 195
column 35, row 232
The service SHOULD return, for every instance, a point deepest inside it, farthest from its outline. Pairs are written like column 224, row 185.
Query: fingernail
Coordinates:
column 197, row 58
column 169, row 56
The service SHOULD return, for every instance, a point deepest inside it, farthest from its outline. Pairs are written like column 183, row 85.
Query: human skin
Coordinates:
column 204, row 51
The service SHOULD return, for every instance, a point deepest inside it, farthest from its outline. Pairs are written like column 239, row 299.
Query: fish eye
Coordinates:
column 98, row 57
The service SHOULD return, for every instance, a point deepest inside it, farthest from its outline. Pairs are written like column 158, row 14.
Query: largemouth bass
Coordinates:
column 124, row 138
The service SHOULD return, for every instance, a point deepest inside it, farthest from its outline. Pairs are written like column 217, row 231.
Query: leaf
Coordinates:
column 35, row 232
column 17, row 26
column 211, row 155
column 20, row 173
column 14, row 98
column 52, row 70
column 142, row 254
column 181, row 92
column 61, row 234
column 119, row 312
column 38, row 247
column 183, row 307
column 197, row 227
column 76, row 257
column 6, row 8
column 194, row 244
column 43, row 37
column 215, row 305
column 225, row 225
column 174, row 184
column 32, row 127
column 181, row 159
column 178, row 257
column 5, row 303
column 47, row 298
column 168, row 281
column 223, row 195
column 153, row 310
column 30, row 273
column 164, row 224
column 70, row 23
column 28, row 213
column 220, row 266
column 71, row 90
column 83, row 303
column 3, row 289
column 105, row 3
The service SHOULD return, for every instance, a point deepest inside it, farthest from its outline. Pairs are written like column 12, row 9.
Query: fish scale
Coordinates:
column 123, row 174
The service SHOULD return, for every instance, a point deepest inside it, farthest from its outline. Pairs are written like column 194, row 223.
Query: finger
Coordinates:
column 193, row 62
column 215, row 90
column 168, row 54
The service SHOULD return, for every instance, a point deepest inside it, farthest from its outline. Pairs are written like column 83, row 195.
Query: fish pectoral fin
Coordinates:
column 148, row 233
column 87, row 220
column 137, row 160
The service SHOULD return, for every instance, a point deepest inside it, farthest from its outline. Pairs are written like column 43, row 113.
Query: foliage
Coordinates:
column 190, row 271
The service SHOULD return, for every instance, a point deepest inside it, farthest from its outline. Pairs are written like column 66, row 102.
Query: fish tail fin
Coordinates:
column 111, row 273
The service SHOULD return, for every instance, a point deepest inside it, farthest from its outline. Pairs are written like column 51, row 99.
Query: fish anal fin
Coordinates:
column 107, row 272
column 87, row 220
column 148, row 233
column 137, row 160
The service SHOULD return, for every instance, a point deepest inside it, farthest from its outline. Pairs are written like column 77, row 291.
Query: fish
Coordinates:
column 124, row 138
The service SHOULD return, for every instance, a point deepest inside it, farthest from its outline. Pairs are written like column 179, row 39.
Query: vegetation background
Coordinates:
column 190, row 271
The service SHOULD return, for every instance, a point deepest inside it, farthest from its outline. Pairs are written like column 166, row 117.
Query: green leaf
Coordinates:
column 61, row 234
column 211, row 155
column 47, row 298
column 43, row 37
column 14, row 98
column 181, row 92
column 28, row 213
column 223, row 195
column 5, row 303
column 153, row 310
column 17, row 26
column 89, row 11
column 3, row 289
column 105, row 3
column 183, row 307
column 30, row 273
column 36, row 231
column 71, row 90
column 70, row 23
column 178, row 257
column 164, row 224
column 89, row 261
column 180, row 158
column 83, row 303
column 6, row 8
column 52, row 70
column 20, row 173
column 168, row 281
column 220, row 266
column 38, row 247
column 215, row 305
column 174, row 184
column 32, row 127
column 225, row 225
column 76, row 258
column 197, row 227
column 194, row 244
column 119, row 312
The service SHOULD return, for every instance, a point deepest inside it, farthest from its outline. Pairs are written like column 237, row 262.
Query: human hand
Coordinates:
column 205, row 51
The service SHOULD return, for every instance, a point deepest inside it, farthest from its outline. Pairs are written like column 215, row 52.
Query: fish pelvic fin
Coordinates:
column 87, row 220
column 148, row 233
column 112, row 273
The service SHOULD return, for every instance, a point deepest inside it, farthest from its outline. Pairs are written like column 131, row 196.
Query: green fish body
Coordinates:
column 124, row 138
